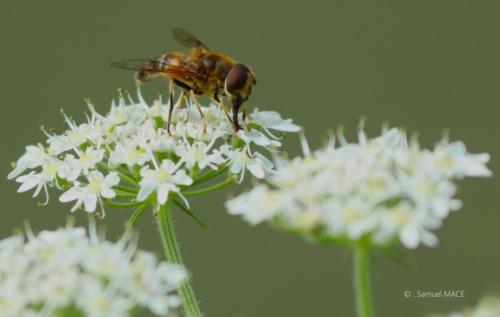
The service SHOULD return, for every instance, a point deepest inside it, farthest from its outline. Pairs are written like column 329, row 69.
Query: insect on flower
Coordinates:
column 200, row 71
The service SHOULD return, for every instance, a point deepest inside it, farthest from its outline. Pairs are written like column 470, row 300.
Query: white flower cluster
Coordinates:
column 488, row 307
column 377, row 189
column 67, row 273
column 131, row 145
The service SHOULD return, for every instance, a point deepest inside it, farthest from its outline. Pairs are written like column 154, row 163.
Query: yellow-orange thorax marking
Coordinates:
column 203, row 71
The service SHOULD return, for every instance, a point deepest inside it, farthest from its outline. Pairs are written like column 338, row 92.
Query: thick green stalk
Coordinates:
column 362, row 282
column 173, row 254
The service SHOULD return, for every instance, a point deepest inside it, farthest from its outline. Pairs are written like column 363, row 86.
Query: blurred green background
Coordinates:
column 424, row 65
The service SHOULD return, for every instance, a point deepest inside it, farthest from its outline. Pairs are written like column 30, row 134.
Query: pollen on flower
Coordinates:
column 95, row 184
column 162, row 176
column 51, row 169
column 352, row 215
column 377, row 189
column 400, row 216
column 128, row 155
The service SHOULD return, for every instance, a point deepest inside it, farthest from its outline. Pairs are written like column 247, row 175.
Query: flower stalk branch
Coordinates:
column 118, row 204
column 209, row 175
column 229, row 181
column 135, row 216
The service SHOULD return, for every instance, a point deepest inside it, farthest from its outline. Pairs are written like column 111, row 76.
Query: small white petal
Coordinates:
column 256, row 169
column 73, row 193
column 90, row 203
column 107, row 192
column 145, row 190
column 162, row 194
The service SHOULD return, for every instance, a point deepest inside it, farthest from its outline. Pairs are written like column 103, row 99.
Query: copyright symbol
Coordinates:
column 407, row 294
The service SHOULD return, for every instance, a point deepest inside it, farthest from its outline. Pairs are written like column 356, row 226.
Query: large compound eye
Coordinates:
column 237, row 78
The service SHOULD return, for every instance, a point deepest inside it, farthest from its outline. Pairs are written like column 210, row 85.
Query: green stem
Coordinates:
column 127, row 178
column 209, row 175
column 126, row 171
column 117, row 204
column 123, row 194
column 206, row 190
column 126, row 189
column 190, row 213
column 362, row 283
column 172, row 252
column 135, row 216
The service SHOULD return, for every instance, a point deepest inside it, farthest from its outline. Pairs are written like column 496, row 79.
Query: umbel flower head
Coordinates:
column 69, row 273
column 129, row 154
column 488, row 307
column 379, row 189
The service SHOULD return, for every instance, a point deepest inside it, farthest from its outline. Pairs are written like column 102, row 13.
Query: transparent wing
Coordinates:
column 187, row 39
column 161, row 63
column 136, row 64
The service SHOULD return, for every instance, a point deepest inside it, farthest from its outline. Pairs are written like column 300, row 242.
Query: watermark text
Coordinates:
column 457, row 293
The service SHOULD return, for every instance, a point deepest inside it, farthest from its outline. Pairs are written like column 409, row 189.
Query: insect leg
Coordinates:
column 220, row 102
column 171, row 104
column 237, row 101
column 195, row 99
column 244, row 108
column 185, row 87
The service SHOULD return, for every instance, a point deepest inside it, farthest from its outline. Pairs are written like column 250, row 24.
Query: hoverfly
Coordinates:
column 199, row 71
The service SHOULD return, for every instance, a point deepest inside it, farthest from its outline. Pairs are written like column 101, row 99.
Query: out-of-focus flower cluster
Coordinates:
column 488, row 307
column 67, row 273
column 379, row 189
column 128, row 153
